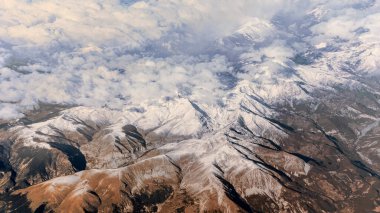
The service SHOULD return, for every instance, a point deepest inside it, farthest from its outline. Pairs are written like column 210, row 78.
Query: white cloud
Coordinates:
column 113, row 53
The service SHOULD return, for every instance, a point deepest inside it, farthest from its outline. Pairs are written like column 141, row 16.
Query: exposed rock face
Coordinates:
column 319, row 155
column 65, row 144
column 276, row 109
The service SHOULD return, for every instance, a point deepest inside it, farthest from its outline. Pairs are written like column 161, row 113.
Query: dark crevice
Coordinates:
column 75, row 156
column 58, row 137
column 132, row 133
column 205, row 118
column 362, row 166
column 357, row 163
column 306, row 159
column 87, row 135
column 118, row 142
column 119, row 149
column 234, row 196
column 218, row 167
column 41, row 208
column 174, row 163
column 76, row 120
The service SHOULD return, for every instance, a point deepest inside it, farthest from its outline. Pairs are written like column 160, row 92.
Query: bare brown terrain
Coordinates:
column 311, row 160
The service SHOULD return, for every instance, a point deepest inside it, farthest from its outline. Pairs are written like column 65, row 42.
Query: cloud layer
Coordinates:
column 121, row 53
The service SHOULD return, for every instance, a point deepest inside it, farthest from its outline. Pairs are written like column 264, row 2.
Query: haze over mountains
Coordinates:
column 114, row 53
column 190, row 106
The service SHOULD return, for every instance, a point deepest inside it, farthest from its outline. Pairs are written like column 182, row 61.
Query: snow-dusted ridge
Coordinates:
column 190, row 105
column 220, row 156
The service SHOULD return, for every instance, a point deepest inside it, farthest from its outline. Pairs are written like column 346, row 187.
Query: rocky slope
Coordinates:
column 195, row 111
column 315, row 155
